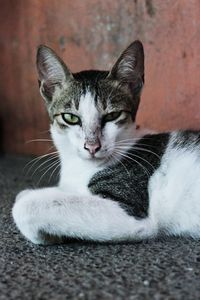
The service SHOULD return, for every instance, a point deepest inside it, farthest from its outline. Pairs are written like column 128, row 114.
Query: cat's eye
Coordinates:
column 112, row 116
column 71, row 119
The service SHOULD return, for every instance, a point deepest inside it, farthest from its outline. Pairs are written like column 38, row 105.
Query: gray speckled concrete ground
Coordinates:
column 167, row 269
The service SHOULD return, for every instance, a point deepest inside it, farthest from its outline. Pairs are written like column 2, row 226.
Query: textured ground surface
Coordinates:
column 151, row 270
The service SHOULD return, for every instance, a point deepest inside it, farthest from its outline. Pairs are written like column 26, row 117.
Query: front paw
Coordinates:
column 25, row 217
column 21, row 194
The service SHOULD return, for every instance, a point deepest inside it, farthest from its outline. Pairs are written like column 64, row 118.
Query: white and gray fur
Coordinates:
column 117, row 182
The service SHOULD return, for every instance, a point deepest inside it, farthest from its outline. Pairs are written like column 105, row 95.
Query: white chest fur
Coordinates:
column 76, row 174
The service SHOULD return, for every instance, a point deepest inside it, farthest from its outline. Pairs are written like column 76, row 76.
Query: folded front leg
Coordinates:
column 51, row 212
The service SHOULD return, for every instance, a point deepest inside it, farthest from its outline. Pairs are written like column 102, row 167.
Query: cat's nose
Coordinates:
column 92, row 148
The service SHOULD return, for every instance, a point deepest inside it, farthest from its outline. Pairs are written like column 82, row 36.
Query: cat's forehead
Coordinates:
column 92, row 89
column 88, row 108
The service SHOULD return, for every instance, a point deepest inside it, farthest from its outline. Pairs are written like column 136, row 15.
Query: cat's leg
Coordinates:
column 54, row 213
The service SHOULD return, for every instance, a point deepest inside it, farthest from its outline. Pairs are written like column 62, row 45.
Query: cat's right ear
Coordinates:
column 52, row 72
column 129, row 68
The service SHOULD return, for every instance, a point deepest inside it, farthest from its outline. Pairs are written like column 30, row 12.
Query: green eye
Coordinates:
column 71, row 119
column 112, row 116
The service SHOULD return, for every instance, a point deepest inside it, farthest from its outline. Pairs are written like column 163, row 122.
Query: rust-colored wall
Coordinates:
column 91, row 34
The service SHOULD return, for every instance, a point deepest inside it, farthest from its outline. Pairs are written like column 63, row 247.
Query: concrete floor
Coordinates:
column 165, row 269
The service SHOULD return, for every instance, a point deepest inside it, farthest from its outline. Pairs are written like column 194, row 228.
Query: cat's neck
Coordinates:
column 76, row 173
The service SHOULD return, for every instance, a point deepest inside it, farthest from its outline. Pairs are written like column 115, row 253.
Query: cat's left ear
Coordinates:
column 129, row 67
column 52, row 72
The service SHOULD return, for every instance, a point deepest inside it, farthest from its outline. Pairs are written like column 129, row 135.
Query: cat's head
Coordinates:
column 92, row 112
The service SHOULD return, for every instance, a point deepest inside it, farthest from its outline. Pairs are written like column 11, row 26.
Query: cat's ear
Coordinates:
column 129, row 68
column 52, row 71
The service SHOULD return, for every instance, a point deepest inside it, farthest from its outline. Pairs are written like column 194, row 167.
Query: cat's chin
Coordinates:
column 96, row 159
column 103, row 161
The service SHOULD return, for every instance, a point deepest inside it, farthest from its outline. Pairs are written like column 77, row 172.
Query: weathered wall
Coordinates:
column 91, row 34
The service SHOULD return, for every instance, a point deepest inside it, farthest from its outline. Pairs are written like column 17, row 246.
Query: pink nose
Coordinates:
column 92, row 148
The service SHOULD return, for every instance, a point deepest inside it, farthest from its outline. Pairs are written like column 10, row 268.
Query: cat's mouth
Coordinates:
column 97, row 157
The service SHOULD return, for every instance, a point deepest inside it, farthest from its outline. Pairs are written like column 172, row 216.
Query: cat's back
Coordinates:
column 182, row 147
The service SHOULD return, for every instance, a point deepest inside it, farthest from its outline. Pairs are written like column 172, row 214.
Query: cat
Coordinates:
column 117, row 181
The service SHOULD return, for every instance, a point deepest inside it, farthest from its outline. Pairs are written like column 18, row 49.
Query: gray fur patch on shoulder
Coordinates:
column 127, row 182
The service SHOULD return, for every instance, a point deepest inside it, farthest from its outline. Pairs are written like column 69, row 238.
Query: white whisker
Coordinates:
column 118, row 160
column 39, row 140
column 133, row 141
column 52, row 165
column 132, row 154
column 56, row 168
column 44, row 163
column 139, row 148
column 37, row 159
column 128, row 157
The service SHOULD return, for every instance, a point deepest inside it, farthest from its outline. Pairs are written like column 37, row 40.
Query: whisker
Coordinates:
column 56, row 168
column 53, row 160
column 146, row 150
column 118, row 160
column 37, row 159
column 108, row 158
column 135, row 144
column 132, row 154
column 131, row 141
column 58, row 173
column 127, row 157
column 44, row 163
column 142, row 149
column 39, row 140
column 46, row 173
column 45, row 131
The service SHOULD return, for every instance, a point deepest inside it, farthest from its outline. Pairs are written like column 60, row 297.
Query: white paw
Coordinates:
column 25, row 217
column 21, row 194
